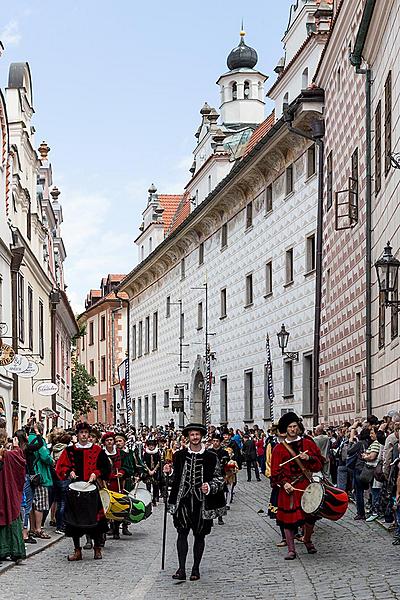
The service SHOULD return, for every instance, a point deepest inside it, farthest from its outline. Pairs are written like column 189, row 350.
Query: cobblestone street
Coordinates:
column 354, row 561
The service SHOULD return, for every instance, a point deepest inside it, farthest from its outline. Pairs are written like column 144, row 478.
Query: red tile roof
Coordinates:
column 182, row 211
column 259, row 133
column 170, row 203
column 115, row 277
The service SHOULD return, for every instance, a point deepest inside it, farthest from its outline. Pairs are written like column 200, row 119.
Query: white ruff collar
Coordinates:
column 110, row 453
column 203, row 447
column 292, row 441
column 148, row 451
column 88, row 445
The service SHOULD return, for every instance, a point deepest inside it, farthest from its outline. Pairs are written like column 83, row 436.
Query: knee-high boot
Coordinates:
column 289, row 535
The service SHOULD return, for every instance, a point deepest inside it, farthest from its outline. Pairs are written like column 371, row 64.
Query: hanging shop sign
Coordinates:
column 31, row 370
column 18, row 365
column 47, row 388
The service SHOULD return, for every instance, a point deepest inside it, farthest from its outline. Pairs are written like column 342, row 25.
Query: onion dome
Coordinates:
column 242, row 57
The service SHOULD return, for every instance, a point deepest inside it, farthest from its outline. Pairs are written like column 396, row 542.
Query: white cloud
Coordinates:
column 10, row 34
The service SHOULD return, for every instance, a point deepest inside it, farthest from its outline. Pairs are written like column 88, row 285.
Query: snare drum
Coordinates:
column 121, row 507
column 141, row 493
column 81, row 505
column 323, row 500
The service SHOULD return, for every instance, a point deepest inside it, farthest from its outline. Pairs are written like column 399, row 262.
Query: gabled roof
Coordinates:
column 259, row 133
column 170, row 203
column 114, row 278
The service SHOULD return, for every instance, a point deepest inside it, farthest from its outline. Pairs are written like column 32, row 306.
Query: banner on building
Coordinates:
column 123, row 375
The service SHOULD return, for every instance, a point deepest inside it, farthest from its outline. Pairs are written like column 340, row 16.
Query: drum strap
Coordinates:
column 306, row 472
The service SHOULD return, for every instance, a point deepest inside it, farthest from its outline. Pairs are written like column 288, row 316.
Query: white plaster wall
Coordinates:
column 239, row 340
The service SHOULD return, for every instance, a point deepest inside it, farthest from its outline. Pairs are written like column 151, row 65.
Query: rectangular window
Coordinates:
column 140, row 340
column 105, row 411
column 41, row 329
column 378, row 147
column 91, row 333
column 388, row 122
column 183, row 268
column 249, row 289
column 223, row 394
column 146, row 411
column 248, row 395
column 328, row 285
column 83, row 341
column 182, row 326
column 249, row 215
column 154, row 410
column 358, row 394
column 382, row 312
column 21, row 308
column 268, row 278
column 329, row 181
column 310, row 253
column 134, row 342
column 307, row 384
column 268, row 199
column 200, row 315
column 29, row 221
column 139, row 411
column 311, row 161
column 155, row 330
column 91, row 368
column 166, row 398
column 102, row 327
column 223, row 303
column 289, row 180
column 30, row 318
column 289, row 266
column 326, row 401
column 147, row 335
column 394, row 318
column 103, row 368
column 287, row 378
column 168, row 307
column 201, row 253
column 224, row 235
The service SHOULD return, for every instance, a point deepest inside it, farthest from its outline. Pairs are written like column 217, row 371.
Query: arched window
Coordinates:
column 304, row 79
column 247, row 91
column 150, row 245
column 260, row 90
column 234, row 90
column 141, row 252
column 285, row 100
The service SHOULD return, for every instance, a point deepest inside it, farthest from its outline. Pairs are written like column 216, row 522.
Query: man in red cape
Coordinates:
column 294, row 476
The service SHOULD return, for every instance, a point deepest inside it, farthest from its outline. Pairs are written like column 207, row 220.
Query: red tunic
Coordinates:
column 289, row 512
column 115, row 483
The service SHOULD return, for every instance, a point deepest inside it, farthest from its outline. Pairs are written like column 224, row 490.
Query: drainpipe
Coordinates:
column 54, row 301
column 318, row 128
column 356, row 61
column 17, row 255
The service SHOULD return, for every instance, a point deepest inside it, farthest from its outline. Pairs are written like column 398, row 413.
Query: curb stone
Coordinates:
column 31, row 552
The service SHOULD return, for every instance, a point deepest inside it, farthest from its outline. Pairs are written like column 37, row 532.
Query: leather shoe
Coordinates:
column 180, row 575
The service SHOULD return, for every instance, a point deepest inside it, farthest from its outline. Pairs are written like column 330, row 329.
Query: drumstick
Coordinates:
column 293, row 458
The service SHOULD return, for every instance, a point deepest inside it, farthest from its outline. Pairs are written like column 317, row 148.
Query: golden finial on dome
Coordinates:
column 242, row 31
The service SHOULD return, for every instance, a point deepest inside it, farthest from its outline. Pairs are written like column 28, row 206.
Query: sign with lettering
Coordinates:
column 18, row 365
column 47, row 388
column 30, row 371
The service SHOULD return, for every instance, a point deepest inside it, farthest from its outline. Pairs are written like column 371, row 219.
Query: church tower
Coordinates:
column 242, row 87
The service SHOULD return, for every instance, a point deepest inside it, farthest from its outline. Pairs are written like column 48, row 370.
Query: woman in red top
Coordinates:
column 290, row 478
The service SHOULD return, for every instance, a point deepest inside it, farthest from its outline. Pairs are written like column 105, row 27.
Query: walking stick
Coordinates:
column 164, row 539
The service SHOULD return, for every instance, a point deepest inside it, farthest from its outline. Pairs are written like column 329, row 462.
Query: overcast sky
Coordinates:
column 117, row 90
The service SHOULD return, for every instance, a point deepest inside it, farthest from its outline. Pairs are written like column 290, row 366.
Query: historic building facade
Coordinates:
column 103, row 351
column 241, row 263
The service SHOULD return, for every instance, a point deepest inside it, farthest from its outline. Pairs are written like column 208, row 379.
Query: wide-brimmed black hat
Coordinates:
column 286, row 420
column 83, row 425
column 194, row 427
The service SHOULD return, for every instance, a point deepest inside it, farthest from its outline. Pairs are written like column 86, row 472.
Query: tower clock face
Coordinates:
column 6, row 355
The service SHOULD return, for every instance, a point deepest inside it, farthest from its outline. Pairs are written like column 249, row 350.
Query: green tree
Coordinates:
column 82, row 400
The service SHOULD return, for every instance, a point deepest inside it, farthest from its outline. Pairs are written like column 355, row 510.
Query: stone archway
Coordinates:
column 197, row 406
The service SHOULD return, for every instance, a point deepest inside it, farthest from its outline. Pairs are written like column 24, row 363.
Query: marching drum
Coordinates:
column 140, row 492
column 121, row 507
column 323, row 500
column 82, row 505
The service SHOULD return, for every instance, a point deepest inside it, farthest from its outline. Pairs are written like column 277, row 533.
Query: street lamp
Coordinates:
column 283, row 338
column 387, row 270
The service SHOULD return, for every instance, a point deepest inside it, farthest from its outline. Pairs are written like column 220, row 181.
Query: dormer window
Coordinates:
column 246, row 90
column 234, row 90
column 304, row 79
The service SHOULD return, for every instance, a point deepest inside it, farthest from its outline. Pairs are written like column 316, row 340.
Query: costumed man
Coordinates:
column 223, row 458
column 294, row 476
column 196, row 497
column 130, row 468
column 117, row 473
column 152, row 473
column 231, row 468
column 84, row 461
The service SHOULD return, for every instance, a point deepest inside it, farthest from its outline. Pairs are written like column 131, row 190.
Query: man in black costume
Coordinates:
column 196, row 497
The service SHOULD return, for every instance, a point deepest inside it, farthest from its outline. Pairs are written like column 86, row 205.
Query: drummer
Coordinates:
column 293, row 476
column 117, row 475
column 131, row 469
column 84, row 461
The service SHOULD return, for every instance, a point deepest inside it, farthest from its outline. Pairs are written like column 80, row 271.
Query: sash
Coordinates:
column 306, row 472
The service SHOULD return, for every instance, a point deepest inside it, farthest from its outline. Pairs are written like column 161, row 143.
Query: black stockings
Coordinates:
column 182, row 547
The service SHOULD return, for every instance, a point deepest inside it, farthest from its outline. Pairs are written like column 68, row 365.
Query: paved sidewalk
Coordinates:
column 355, row 560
